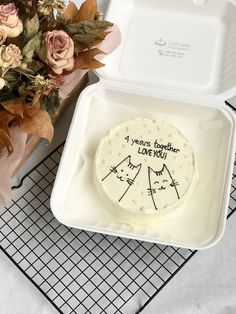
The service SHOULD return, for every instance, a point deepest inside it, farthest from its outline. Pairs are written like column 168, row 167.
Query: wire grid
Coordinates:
column 78, row 271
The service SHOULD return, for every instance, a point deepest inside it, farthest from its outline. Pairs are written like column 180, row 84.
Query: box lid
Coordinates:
column 185, row 46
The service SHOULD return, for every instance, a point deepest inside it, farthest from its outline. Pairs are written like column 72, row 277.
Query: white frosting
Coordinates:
column 144, row 166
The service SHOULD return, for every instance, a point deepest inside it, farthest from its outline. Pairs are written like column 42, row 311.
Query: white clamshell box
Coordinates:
column 177, row 62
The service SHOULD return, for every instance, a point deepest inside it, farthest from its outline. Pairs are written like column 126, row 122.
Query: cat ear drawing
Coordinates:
column 123, row 176
column 159, row 184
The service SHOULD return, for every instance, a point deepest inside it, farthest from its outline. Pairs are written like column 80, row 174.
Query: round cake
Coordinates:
column 144, row 167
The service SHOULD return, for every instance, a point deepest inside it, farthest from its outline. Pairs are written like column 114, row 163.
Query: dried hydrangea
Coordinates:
column 46, row 7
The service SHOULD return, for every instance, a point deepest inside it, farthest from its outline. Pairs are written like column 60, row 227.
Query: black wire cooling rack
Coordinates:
column 83, row 272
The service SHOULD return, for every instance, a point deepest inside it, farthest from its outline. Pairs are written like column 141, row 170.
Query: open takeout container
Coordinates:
column 177, row 62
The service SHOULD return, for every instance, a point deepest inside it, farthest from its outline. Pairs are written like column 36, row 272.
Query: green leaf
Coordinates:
column 32, row 45
column 51, row 102
column 31, row 27
column 88, row 34
column 29, row 56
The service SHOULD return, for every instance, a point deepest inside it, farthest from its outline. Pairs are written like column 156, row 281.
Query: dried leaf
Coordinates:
column 70, row 12
column 5, row 119
column 33, row 44
column 36, row 65
column 37, row 122
column 86, row 60
column 29, row 56
column 87, row 11
column 51, row 102
column 88, row 34
column 31, row 27
column 86, row 27
column 5, row 141
column 15, row 106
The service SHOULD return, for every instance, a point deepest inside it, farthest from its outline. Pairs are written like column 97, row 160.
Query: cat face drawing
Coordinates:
column 122, row 176
column 162, row 187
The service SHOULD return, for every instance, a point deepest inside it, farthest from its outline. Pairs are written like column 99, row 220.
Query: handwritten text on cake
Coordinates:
column 152, row 149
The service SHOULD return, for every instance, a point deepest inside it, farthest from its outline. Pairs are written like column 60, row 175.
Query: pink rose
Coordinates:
column 7, row 10
column 3, row 36
column 58, row 51
column 10, row 56
column 10, row 21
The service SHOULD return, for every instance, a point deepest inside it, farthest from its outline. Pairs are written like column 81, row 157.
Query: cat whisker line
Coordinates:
column 131, row 166
column 151, row 192
column 113, row 169
column 130, row 181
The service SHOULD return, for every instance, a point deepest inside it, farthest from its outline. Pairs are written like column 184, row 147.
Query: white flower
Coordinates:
column 9, row 20
column 2, row 83
column 3, row 36
column 10, row 56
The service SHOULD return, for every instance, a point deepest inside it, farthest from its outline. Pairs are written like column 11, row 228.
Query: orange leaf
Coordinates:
column 85, row 59
column 5, row 141
column 71, row 12
column 14, row 106
column 37, row 122
column 5, row 119
column 87, row 11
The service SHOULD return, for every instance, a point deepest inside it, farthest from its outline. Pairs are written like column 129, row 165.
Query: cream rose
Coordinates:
column 58, row 51
column 3, row 36
column 10, row 56
column 2, row 83
column 9, row 20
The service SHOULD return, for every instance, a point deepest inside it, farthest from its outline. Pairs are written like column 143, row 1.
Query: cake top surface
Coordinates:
column 144, row 165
